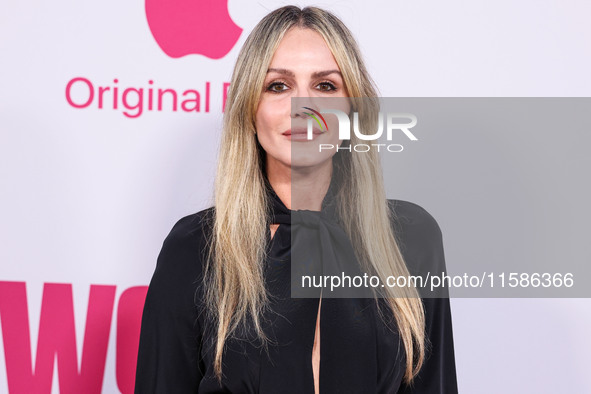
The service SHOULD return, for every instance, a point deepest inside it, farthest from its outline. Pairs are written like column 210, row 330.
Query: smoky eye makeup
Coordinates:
column 276, row 86
column 327, row 84
column 281, row 85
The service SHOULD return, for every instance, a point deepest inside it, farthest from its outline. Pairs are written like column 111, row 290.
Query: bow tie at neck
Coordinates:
column 302, row 217
column 283, row 215
column 320, row 248
column 312, row 243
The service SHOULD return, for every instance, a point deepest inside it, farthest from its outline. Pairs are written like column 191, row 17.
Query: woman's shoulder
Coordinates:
column 419, row 236
column 188, row 227
column 414, row 217
column 184, row 248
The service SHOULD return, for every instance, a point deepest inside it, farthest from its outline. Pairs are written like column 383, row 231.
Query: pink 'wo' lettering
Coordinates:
column 56, row 338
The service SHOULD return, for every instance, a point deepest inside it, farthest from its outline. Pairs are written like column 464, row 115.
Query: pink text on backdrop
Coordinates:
column 83, row 93
column 57, row 338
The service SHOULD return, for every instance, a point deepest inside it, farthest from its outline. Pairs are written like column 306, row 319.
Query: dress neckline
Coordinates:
column 280, row 211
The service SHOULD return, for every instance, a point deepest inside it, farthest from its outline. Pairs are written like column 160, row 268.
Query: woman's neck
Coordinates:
column 300, row 188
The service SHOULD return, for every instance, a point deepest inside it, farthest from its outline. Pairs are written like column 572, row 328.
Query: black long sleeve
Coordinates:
column 168, row 357
column 173, row 359
column 422, row 247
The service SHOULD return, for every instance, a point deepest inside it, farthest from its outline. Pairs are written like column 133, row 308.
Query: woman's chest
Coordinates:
column 357, row 352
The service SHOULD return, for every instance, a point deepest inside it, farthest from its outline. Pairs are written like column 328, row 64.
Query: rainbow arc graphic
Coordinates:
column 315, row 115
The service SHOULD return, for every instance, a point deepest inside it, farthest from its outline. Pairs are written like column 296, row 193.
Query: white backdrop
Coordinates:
column 89, row 194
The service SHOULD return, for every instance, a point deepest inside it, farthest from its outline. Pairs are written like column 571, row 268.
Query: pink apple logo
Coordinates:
column 183, row 27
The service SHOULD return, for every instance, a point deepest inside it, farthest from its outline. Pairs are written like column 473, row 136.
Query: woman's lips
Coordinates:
column 301, row 134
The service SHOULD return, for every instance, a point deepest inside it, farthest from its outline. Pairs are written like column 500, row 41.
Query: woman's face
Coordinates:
column 302, row 66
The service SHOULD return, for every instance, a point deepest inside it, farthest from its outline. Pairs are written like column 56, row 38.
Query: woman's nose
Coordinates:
column 297, row 108
column 301, row 106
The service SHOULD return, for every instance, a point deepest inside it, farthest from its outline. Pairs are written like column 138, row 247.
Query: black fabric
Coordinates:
column 359, row 353
column 319, row 247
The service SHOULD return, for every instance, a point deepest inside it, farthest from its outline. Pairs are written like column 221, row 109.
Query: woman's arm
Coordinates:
column 422, row 247
column 438, row 373
column 169, row 349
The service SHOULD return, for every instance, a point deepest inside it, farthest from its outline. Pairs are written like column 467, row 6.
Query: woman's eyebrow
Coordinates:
column 281, row 71
column 316, row 74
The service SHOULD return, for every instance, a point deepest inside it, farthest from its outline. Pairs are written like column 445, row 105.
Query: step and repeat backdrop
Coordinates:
column 110, row 117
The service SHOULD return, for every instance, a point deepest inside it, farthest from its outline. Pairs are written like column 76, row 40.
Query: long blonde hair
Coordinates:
column 234, row 289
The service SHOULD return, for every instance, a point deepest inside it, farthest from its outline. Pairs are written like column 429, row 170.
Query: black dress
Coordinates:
column 359, row 352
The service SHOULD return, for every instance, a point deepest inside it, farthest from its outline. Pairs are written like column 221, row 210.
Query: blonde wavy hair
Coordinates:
column 235, row 289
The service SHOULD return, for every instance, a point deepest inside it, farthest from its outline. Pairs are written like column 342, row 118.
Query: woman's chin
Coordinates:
column 308, row 161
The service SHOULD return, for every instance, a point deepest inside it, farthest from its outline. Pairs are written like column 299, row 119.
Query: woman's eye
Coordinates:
column 326, row 86
column 277, row 87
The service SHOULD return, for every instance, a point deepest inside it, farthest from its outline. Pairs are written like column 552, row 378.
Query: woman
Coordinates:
column 218, row 315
